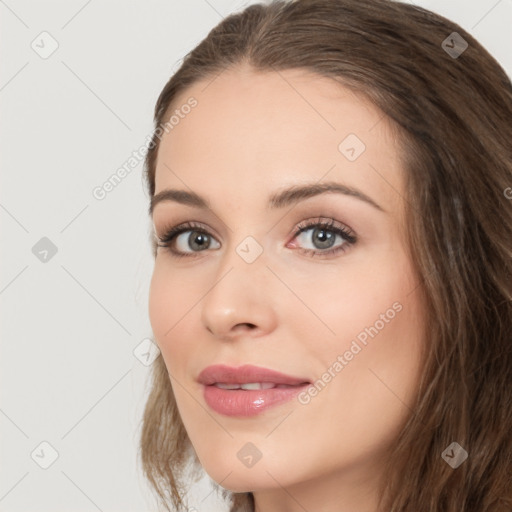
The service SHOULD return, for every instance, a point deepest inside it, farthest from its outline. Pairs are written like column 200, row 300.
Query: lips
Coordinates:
column 247, row 390
column 247, row 374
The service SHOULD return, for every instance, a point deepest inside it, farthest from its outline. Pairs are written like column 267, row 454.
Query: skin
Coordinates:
column 250, row 135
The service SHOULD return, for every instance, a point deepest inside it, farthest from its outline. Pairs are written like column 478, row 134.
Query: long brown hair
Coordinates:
column 451, row 106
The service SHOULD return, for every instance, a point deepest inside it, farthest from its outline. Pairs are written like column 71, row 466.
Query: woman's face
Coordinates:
column 340, row 311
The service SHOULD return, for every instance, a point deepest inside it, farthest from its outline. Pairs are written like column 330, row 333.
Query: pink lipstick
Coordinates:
column 247, row 390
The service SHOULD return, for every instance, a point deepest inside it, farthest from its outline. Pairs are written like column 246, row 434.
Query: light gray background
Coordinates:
column 70, row 325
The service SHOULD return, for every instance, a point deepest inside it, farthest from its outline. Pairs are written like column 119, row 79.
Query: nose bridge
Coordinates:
column 240, row 291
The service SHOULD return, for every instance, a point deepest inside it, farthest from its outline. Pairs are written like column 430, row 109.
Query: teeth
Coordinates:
column 221, row 385
column 247, row 386
column 258, row 385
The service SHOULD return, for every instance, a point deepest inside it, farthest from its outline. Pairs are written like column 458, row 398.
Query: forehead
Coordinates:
column 252, row 131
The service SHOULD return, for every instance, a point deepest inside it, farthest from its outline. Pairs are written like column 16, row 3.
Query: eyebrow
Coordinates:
column 279, row 199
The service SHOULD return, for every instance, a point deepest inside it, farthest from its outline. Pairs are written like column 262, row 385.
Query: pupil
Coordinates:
column 324, row 237
column 200, row 240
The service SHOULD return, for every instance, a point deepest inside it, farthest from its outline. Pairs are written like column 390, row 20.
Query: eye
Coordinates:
column 325, row 237
column 187, row 239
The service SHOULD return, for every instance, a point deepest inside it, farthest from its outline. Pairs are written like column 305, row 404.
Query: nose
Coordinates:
column 241, row 301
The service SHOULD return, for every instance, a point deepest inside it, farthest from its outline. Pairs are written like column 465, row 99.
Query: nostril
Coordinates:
column 251, row 326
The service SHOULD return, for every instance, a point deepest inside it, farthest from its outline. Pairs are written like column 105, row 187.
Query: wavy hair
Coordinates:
column 452, row 112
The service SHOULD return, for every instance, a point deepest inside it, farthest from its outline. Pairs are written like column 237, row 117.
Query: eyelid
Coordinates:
column 189, row 225
column 328, row 223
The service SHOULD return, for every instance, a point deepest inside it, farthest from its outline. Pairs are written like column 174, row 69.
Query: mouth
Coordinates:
column 249, row 386
column 246, row 375
column 247, row 390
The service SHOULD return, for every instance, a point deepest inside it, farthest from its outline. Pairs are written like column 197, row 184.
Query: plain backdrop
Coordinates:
column 76, row 269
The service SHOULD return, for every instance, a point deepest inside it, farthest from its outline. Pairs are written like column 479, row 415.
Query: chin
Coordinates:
column 237, row 478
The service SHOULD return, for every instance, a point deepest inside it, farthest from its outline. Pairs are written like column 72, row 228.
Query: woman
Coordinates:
column 330, row 193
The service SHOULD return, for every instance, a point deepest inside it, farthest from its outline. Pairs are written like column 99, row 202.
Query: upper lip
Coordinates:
column 244, row 374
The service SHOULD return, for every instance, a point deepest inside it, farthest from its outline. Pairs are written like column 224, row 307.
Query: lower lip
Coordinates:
column 241, row 402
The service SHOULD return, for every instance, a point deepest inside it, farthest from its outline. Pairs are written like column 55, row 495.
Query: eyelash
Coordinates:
column 330, row 225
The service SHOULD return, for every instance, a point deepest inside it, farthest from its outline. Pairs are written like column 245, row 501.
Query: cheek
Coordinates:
column 372, row 316
column 378, row 334
column 343, row 302
column 160, row 304
column 168, row 305
column 173, row 314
